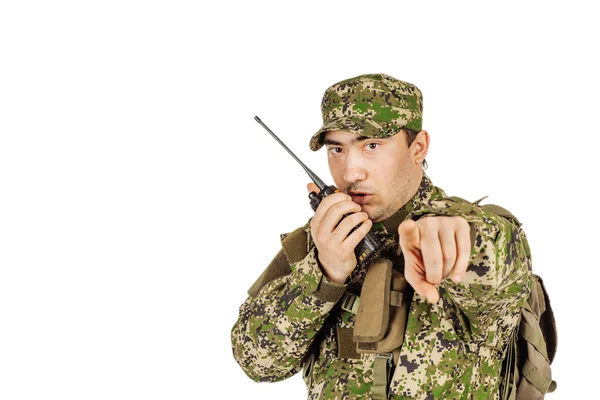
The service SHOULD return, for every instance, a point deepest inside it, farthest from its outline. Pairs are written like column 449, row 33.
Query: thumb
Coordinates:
column 426, row 289
column 312, row 188
column 410, row 236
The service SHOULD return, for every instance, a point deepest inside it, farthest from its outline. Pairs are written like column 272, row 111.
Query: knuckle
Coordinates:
column 338, row 208
column 327, row 201
column 332, row 199
column 460, row 222
column 362, row 219
column 320, row 237
column 427, row 222
column 350, row 222
column 359, row 216
column 435, row 261
column 317, row 239
column 406, row 226
column 449, row 259
column 342, row 196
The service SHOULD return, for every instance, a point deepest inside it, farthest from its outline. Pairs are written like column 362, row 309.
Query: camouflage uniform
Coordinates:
column 452, row 349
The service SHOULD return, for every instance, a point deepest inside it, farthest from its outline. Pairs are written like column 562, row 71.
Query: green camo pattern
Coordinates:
column 373, row 105
column 452, row 350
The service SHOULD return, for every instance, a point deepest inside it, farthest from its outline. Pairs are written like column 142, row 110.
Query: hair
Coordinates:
column 410, row 137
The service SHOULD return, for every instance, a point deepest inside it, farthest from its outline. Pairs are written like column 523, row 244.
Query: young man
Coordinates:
column 468, row 271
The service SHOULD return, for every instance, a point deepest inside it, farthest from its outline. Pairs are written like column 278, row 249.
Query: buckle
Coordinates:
column 350, row 302
column 386, row 356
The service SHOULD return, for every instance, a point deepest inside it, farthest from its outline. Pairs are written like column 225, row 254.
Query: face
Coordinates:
column 381, row 174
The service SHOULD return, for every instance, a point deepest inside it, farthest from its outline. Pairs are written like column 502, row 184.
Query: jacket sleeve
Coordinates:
column 498, row 279
column 285, row 309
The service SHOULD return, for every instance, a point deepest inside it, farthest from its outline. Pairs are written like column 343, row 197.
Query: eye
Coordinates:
column 335, row 150
column 372, row 146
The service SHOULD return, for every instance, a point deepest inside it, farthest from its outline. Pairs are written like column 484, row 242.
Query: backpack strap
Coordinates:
column 501, row 211
column 510, row 372
column 492, row 208
column 294, row 247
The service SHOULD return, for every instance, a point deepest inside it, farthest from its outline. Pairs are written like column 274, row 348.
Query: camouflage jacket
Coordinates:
column 452, row 349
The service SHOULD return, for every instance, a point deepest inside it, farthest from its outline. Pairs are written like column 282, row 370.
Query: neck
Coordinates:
column 421, row 192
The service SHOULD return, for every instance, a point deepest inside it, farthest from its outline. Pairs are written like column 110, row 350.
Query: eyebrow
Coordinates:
column 354, row 140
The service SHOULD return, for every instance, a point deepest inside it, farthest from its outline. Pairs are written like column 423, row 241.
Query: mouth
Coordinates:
column 360, row 198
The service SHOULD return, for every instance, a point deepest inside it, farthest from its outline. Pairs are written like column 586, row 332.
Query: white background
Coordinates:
column 139, row 200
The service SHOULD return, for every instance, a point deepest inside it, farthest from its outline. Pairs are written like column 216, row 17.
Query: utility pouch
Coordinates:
column 381, row 318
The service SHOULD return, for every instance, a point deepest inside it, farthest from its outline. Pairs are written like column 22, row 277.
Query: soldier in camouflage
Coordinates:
column 469, row 269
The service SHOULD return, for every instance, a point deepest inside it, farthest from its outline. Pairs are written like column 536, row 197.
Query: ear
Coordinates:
column 420, row 147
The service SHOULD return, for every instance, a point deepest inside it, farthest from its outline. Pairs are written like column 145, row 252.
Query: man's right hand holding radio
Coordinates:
column 335, row 247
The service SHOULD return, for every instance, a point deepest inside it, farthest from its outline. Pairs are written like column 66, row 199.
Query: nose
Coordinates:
column 354, row 170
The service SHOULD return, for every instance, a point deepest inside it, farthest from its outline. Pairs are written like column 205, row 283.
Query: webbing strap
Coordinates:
column 351, row 302
column 503, row 212
column 528, row 333
column 536, row 378
column 396, row 298
column 509, row 380
column 381, row 375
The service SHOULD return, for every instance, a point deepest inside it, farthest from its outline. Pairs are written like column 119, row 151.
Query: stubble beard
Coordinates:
column 401, row 194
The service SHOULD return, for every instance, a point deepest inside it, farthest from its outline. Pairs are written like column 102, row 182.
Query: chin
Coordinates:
column 373, row 214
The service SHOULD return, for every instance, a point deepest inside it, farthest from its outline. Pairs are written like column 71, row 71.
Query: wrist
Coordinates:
column 335, row 278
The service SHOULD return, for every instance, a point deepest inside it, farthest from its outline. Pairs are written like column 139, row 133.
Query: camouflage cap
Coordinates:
column 373, row 105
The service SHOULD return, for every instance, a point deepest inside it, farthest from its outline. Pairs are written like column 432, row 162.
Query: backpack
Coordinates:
column 531, row 349
column 526, row 373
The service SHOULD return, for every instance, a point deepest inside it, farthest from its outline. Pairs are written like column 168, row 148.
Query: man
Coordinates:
column 468, row 270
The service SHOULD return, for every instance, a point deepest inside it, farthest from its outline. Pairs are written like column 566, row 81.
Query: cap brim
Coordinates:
column 353, row 125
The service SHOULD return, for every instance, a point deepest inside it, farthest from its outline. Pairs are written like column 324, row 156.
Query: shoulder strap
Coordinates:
column 503, row 212
column 294, row 247
column 492, row 208
column 277, row 268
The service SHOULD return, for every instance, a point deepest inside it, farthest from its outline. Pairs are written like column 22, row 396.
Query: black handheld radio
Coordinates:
column 369, row 245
